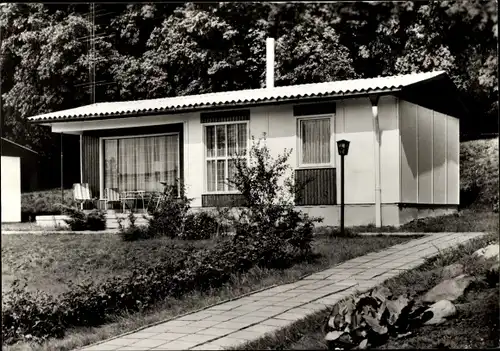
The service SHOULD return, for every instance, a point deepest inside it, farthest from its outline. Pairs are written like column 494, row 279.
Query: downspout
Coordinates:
column 62, row 171
column 376, row 142
column 81, row 158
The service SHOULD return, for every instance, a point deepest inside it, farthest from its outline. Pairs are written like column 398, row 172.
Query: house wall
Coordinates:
column 429, row 156
column 353, row 121
column 11, row 189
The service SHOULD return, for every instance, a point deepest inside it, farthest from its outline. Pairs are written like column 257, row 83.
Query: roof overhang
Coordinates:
column 439, row 94
column 226, row 106
column 434, row 90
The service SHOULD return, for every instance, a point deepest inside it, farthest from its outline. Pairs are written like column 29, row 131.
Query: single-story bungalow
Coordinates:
column 403, row 160
column 19, row 165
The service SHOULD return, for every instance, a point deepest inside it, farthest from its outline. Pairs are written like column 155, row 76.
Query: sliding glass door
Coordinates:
column 141, row 163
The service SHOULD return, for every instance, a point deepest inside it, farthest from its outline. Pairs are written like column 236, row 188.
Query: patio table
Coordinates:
column 133, row 195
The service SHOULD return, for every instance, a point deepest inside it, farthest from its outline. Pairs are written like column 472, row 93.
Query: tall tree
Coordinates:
column 50, row 64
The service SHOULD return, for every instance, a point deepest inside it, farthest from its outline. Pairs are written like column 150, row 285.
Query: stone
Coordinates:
column 488, row 252
column 440, row 311
column 452, row 271
column 449, row 289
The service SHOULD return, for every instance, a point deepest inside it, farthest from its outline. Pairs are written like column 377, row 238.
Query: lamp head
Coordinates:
column 343, row 147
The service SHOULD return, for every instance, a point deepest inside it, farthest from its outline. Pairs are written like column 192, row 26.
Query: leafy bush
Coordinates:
column 132, row 232
column 45, row 202
column 270, row 216
column 95, row 220
column 479, row 173
column 173, row 219
column 202, row 225
column 370, row 318
column 170, row 216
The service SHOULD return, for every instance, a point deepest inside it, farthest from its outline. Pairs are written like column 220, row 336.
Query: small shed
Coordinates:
column 19, row 173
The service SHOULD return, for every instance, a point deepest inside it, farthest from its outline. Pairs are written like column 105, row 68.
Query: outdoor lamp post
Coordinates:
column 343, row 148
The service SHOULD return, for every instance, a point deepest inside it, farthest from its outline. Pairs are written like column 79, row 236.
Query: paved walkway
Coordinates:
column 250, row 317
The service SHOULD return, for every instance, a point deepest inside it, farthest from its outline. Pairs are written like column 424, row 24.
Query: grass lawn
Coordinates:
column 476, row 325
column 22, row 227
column 49, row 262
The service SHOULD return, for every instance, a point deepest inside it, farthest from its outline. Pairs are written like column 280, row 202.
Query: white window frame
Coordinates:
column 300, row 165
column 226, row 157
column 101, row 153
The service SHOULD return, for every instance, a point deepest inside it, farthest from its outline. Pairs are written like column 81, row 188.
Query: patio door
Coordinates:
column 141, row 162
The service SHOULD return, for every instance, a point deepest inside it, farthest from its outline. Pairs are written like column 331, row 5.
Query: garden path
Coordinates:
column 250, row 317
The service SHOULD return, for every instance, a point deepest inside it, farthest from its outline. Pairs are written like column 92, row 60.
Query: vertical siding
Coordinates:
column 452, row 158
column 430, row 153
column 389, row 150
column 409, row 171
column 91, row 163
column 320, row 187
column 424, row 155
column 439, row 159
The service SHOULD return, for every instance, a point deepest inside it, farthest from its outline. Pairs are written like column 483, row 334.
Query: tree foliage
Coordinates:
column 165, row 49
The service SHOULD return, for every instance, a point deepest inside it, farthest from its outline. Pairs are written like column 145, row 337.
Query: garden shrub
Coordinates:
column 170, row 216
column 44, row 202
column 96, row 220
column 78, row 221
column 132, row 232
column 173, row 219
column 270, row 216
column 202, row 225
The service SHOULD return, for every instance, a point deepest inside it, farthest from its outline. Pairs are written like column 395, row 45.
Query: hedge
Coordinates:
column 36, row 316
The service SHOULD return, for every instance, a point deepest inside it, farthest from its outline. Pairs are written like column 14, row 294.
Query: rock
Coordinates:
column 452, row 271
column 440, row 311
column 450, row 289
column 490, row 251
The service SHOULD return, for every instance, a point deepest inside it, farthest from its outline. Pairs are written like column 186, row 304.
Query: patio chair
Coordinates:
column 82, row 194
column 110, row 196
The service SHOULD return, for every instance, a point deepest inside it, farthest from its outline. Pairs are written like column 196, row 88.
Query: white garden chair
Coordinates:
column 110, row 196
column 81, row 193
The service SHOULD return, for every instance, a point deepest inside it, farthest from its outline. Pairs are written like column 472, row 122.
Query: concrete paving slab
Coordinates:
column 235, row 322
column 145, row 344
column 214, row 331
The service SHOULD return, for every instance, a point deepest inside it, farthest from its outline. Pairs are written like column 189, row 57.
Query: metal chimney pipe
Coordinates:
column 270, row 63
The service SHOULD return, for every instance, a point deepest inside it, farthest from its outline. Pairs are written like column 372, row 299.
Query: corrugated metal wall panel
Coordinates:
column 320, row 188
column 90, row 163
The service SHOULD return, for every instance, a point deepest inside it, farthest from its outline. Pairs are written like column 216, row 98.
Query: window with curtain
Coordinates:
column 315, row 141
column 141, row 163
column 222, row 142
